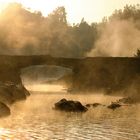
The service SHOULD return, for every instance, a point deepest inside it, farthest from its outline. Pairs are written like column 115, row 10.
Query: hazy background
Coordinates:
column 27, row 32
column 91, row 10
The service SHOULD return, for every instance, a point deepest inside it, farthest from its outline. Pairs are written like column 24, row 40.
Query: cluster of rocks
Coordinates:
column 76, row 106
column 121, row 102
column 9, row 94
column 93, row 105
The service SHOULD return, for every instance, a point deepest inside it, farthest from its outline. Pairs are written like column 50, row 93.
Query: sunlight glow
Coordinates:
column 91, row 10
column 45, row 88
column 4, row 132
column 3, row 4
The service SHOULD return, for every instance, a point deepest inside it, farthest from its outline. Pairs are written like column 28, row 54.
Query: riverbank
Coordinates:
column 9, row 94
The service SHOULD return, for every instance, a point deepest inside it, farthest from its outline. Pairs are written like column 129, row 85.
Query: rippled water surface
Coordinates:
column 35, row 119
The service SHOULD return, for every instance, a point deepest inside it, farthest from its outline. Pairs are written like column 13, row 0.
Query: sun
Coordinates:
column 91, row 10
column 4, row 3
column 45, row 6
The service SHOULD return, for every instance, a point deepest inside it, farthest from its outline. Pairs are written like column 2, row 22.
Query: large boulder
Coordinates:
column 70, row 106
column 4, row 110
column 10, row 92
column 6, row 95
column 19, row 92
column 22, row 89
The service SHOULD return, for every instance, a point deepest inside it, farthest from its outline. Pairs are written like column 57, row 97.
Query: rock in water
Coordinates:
column 70, row 106
column 94, row 105
column 4, row 110
column 10, row 92
column 126, row 100
column 6, row 95
column 114, row 106
column 19, row 92
column 88, row 105
column 23, row 89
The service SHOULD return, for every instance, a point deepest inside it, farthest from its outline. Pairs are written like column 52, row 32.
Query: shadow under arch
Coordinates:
column 52, row 78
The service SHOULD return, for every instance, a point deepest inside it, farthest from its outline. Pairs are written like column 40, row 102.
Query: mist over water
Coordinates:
column 45, row 88
column 35, row 119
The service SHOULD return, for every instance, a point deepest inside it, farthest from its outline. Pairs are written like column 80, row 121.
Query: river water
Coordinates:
column 34, row 119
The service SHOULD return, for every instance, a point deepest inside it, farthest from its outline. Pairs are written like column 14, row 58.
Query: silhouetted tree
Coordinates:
column 58, row 16
column 128, row 13
column 84, row 34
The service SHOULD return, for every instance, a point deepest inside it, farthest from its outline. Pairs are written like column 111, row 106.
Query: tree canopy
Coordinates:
column 26, row 32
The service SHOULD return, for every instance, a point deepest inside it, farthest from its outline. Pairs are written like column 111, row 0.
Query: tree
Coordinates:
column 83, row 34
column 58, row 16
column 130, row 12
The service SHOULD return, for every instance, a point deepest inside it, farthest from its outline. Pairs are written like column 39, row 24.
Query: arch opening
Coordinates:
column 46, row 78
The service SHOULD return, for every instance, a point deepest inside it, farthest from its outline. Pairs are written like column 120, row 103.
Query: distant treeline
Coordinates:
column 30, row 33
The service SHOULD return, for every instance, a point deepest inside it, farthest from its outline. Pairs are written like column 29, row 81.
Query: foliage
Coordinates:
column 129, row 12
column 26, row 32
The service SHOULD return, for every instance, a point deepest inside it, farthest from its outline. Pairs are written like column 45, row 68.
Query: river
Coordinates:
column 35, row 119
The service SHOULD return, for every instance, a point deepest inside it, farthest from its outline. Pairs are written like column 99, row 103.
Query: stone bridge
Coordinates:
column 89, row 74
column 96, row 73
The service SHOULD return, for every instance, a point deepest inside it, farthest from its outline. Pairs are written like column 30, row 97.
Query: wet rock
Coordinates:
column 93, row 105
column 6, row 95
column 19, row 92
column 114, row 106
column 88, row 105
column 10, row 93
column 23, row 89
column 96, row 104
column 4, row 110
column 70, row 106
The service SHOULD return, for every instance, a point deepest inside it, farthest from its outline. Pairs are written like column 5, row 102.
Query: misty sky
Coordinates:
column 91, row 10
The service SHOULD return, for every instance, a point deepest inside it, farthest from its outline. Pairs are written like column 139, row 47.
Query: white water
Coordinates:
column 35, row 119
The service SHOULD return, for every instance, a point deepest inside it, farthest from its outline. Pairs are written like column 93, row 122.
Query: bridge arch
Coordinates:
column 46, row 76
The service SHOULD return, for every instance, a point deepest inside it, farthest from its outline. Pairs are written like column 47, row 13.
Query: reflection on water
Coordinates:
column 45, row 88
column 35, row 119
